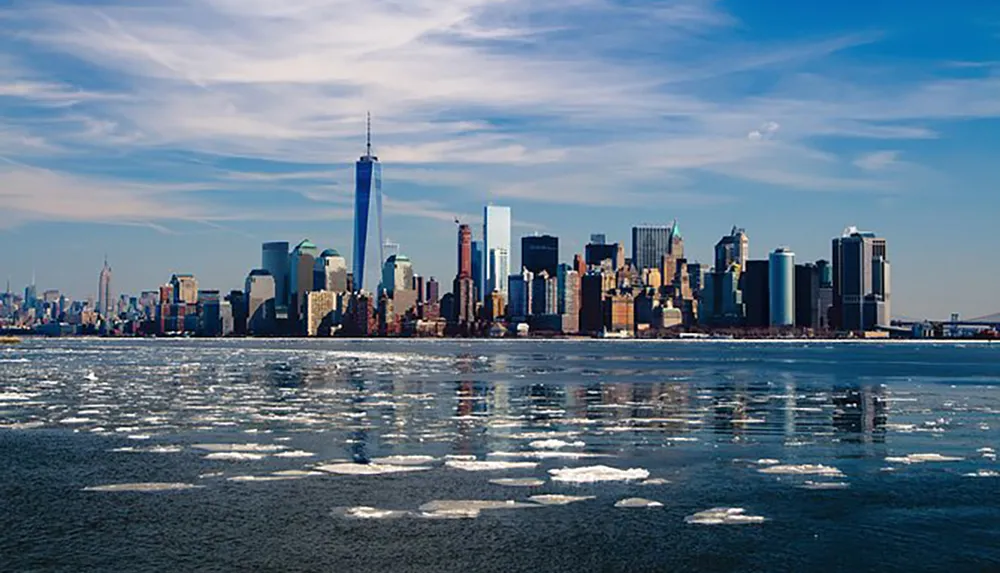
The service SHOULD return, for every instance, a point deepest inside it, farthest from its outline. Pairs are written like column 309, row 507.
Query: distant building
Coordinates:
column 321, row 309
column 569, row 298
column 330, row 272
column 238, row 309
column 595, row 253
column 496, row 249
column 592, row 294
column 649, row 244
column 464, row 288
column 433, row 291
column 520, row 291
column 209, row 313
column 544, row 294
column 185, row 289
column 301, row 264
column 807, row 296
column 368, row 232
column 274, row 260
column 260, row 299
column 781, row 287
column 478, row 268
column 619, row 313
column 721, row 302
column 861, row 285
column 397, row 274
column 755, row 281
column 733, row 248
column 540, row 253
column 104, row 294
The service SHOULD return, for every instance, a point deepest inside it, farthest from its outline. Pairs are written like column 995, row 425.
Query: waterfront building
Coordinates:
column 321, row 309
column 185, row 289
column 368, row 233
column 619, row 312
column 569, row 298
column 261, row 300
column 274, row 260
column 649, row 244
column 433, row 291
column 477, row 268
column 520, row 291
column 781, row 287
column 861, row 287
column 733, row 248
column 397, row 274
column 209, row 313
column 721, row 301
column 238, row 309
column 330, row 272
column 756, row 290
column 464, row 288
column 302, row 263
column 496, row 249
column 544, row 294
column 540, row 253
column 104, row 296
column 495, row 306
column 807, row 296
column 592, row 294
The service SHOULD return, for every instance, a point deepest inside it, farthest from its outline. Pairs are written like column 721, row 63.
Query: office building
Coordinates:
column 464, row 264
column 321, row 309
column 368, row 233
column 592, row 293
column 544, row 294
column 260, row 299
column 861, row 287
column 104, row 296
column 569, row 298
column 721, row 301
column 595, row 253
column 464, row 288
column 519, row 292
column 185, row 289
column 755, row 284
column 209, row 313
column 619, row 313
column 540, row 253
column 496, row 249
column 301, row 265
column 649, row 244
column 274, row 260
column 781, row 287
column 397, row 275
column 807, row 296
column 238, row 309
column 330, row 272
column 598, row 238
column 433, row 291
column 478, row 268
column 733, row 248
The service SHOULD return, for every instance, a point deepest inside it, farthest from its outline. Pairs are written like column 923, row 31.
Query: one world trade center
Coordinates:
column 367, row 217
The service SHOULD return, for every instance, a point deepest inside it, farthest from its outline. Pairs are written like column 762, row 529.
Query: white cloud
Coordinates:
column 877, row 160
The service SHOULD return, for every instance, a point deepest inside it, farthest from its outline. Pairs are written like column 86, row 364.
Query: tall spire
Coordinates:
column 369, row 136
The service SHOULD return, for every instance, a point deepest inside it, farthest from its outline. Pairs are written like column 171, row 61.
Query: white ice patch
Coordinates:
column 262, row 478
column 294, row 454
column 460, row 457
column 365, row 512
column 518, row 482
column 921, row 458
column 981, row 473
column 404, row 460
column 368, row 469
column 547, row 455
column 802, row 470
column 235, row 456
column 822, row 485
column 465, row 509
column 15, row 396
column 595, row 474
column 555, row 444
column 637, row 502
column 488, row 466
column 654, row 481
column 143, row 487
column 556, row 499
column 296, row 473
column 74, row 420
column 723, row 516
column 248, row 447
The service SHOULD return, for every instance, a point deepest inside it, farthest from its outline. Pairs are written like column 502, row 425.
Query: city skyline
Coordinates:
column 116, row 137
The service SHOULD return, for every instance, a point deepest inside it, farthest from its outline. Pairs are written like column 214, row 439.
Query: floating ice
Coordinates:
column 487, row 466
column 821, row 485
column 518, row 482
column 368, row 469
column 460, row 457
column 248, row 447
column 404, row 460
column 465, row 509
column 262, row 478
column 296, row 473
column 294, row 454
column 723, row 516
column 637, row 502
column 654, row 481
column 365, row 512
column 144, row 487
column 982, row 473
column 767, row 462
column 556, row 499
column 15, row 396
column 91, row 377
column 803, row 469
column 921, row 458
column 72, row 420
column 594, row 474
column 235, row 456
column 547, row 455
column 555, row 444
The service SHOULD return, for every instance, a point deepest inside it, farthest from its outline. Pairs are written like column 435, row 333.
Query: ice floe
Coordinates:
column 547, row 455
column 595, row 474
column 518, row 482
column 983, row 473
column 654, row 481
column 555, row 444
column 802, row 469
column 637, row 502
column 466, row 509
column 294, row 454
column 557, row 499
column 821, row 485
column 142, row 487
column 248, row 447
column 262, row 478
column 235, row 456
column 921, row 458
column 488, row 465
column 296, row 473
column 365, row 512
column 405, row 460
column 723, row 516
column 368, row 469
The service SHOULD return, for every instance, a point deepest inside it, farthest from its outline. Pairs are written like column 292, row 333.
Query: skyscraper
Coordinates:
column 368, row 235
column 330, row 272
column 649, row 243
column 519, row 304
column 463, row 287
column 496, row 249
column 397, row 274
column 478, row 267
column 260, row 297
column 781, row 286
column 104, row 298
column 755, row 287
column 185, row 289
column 301, row 263
column 274, row 260
column 732, row 248
column 540, row 253
column 860, row 281
column 807, row 296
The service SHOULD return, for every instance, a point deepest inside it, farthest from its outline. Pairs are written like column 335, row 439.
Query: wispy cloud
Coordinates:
column 877, row 160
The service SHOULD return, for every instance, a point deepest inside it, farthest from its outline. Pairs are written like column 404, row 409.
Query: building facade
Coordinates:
column 368, row 233
column 781, row 287
column 649, row 244
column 540, row 253
column 496, row 249
column 330, row 272
column 274, row 260
column 733, row 248
column 261, row 300
column 861, row 286
column 104, row 296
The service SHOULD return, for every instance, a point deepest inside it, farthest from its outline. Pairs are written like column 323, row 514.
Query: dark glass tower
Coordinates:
column 368, row 237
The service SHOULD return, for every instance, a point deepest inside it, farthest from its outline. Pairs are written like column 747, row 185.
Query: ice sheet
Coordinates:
column 557, row 499
column 488, row 465
column 368, row 469
column 921, row 458
column 142, row 487
column 637, row 502
column 595, row 474
column 518, row 482
column 723, row 516
column 803, row 469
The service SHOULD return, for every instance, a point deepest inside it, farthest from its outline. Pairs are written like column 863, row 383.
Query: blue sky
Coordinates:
column 177, row 135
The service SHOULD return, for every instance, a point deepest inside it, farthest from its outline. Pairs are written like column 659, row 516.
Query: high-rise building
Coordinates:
column 733, row 248
column 398, row 284
column 238, row 309
column 519, row 292
column 544, row 294
column 301, row 264
column 721, row 301
column 320, row 312
column 274, row 260
column 464, row 288
column 781, row 287
column 592, row 291
column 569, row 298
column 260, row 299
column 185, row 289
column 330, row 272
column 696, row 274
column 464, row 252
column 861, row 292
column 649, row 243
column 496, row 249
column 540, row 253
column 619, row 312
column 104, row 296
column 755, row 283
column 598, row 238
column 433, row 291
column 477, row 267
column 368, row 233
column 209, row 313
column 807, row 296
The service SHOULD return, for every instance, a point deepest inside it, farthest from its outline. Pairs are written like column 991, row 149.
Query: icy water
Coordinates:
column 498, row 456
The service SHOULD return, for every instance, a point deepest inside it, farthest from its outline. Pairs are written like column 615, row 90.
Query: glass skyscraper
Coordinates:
column 496, row 249
column 368, row 237
column 781, row 287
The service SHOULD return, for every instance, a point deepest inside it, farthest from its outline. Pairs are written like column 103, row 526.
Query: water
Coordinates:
column 371, row 456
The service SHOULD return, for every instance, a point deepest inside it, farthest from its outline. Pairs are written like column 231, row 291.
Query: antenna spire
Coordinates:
column 369, row 134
